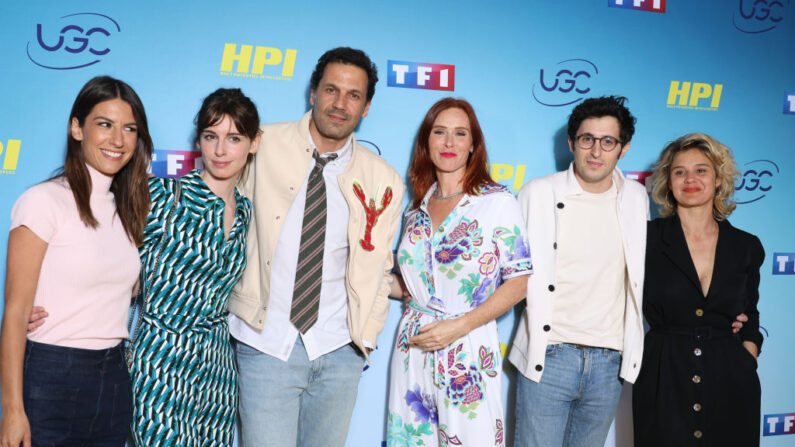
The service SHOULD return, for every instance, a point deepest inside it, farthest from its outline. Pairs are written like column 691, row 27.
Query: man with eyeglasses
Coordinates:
column 581, row 334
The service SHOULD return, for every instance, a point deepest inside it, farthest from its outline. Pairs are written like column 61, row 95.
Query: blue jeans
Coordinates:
column 298, row 402
column 575, row 402
column 76, row 397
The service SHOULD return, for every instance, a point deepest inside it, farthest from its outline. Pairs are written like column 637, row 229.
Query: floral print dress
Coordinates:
column 453, row 397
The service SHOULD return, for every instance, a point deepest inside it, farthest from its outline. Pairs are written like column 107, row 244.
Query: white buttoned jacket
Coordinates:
column 542, row 200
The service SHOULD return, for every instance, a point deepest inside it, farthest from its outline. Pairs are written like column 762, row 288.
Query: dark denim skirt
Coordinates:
column 76, row 397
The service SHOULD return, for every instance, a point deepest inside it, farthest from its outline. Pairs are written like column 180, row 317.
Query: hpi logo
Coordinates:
column 756, row 181
column 73, row 41
column 420, row 75
column 779, row 424
column 789, row 103
column 783, row 264
column 167, row 163
column 262, row 56
column 643, row 177
column 569, row 84
column 695, row 91
column 500, row 172
column 10, row 156
column 759, row 16
column 640, row 5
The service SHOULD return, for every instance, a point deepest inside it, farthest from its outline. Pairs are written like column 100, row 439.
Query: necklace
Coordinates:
column 438, row 197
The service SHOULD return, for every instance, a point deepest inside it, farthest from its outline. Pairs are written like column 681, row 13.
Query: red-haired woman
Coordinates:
column 463, row 257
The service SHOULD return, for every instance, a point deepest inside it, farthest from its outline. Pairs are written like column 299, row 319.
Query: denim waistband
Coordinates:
column 73, row 356
column 586, row 347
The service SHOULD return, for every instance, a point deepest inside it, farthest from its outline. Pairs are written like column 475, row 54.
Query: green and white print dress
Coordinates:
column 183, row 370
column 453, row 397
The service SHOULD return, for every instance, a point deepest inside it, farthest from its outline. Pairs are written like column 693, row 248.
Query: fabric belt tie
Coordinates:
column 699, row 333
column 309, row 271
column 431, row 357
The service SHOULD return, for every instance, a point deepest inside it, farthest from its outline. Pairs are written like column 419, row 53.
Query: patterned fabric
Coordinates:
column 309, row 272
column 183, row 370
column 453, row 397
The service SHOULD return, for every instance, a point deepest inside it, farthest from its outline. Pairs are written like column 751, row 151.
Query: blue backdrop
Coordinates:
column 724, row 67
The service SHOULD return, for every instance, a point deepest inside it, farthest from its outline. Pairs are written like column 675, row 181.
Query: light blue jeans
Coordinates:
column 575, row 402
column 298, row 402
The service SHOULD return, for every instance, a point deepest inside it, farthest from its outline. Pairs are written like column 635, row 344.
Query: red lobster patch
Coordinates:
column 371, row 212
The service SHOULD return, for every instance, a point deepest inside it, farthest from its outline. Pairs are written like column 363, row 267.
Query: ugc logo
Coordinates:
column 73, row 41
column 756, row 182
column 759, row 16
column 566, row 83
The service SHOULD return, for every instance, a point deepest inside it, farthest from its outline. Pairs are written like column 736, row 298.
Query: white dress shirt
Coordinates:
column 330, row 331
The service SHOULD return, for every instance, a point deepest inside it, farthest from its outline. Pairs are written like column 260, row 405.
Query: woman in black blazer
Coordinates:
column 698, row 383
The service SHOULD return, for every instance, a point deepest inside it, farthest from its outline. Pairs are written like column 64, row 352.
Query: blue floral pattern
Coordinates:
column 454, row 396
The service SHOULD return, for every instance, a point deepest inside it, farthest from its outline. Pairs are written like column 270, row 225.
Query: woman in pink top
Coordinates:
column 73, row 249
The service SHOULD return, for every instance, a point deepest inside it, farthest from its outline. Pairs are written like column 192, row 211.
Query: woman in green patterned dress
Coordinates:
column 182, row 367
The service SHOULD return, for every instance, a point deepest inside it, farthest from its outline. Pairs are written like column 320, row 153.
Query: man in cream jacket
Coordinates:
column 298, row 387
column 582, row 330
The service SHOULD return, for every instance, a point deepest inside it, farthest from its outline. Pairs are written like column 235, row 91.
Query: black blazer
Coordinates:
column 734, row 289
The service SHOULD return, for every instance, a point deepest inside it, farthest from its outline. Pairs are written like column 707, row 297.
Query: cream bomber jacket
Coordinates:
column 541, row 201
column 374, row 192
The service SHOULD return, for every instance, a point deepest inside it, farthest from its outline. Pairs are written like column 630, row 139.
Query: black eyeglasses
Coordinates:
column 607, row 143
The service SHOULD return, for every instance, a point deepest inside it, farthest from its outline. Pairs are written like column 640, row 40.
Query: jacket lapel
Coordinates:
column 675, row 249
column 721, row 255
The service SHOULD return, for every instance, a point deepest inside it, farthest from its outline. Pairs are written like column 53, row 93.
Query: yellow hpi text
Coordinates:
column 262, row 56
column 687, row 95
column 11, row 152
column 500, row 172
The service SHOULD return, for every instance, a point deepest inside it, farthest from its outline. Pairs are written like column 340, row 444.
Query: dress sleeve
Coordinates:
column 158, row 199
column 509, row 236
column 38, row 210
column 750, row 330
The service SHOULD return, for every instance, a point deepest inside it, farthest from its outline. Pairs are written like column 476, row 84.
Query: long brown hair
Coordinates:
column 422, row 172
column 129, row 186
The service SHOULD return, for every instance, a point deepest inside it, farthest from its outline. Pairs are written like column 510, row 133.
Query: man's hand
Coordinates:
column 737, row 325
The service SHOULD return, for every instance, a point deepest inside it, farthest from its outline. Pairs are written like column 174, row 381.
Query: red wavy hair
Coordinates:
column 422, row 172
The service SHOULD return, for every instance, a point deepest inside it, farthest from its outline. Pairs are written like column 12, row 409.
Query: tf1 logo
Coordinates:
column 262, row 56
column 11, row 151
column 759, row 16
column 784, row 263
column 640, row 5
column 167, row 163
column 645, row 178
column 779, row 424
column 756, row 181
column 421, row 75
column 789, row 103
column 566, row 83
column 74, row 41
column 679, row 92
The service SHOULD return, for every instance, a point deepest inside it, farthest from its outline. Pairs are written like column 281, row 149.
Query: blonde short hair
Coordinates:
column 722, row 161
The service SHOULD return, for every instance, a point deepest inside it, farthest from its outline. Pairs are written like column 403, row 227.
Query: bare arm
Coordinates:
column 25, row 256
column 439, row 334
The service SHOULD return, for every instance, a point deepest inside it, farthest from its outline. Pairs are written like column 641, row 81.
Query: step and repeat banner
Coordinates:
column 723, row 67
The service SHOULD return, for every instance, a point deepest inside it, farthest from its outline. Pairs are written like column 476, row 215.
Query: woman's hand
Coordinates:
column 440, row 334
column 37, row 318
column 14, row 429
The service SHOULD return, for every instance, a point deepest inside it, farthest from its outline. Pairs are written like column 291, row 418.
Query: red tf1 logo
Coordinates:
column 779, row 424
column 421, row 75
column 640, row 5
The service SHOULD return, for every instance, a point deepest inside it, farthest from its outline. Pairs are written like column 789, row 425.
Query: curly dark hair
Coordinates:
column 348, row 56
column 603, row 106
